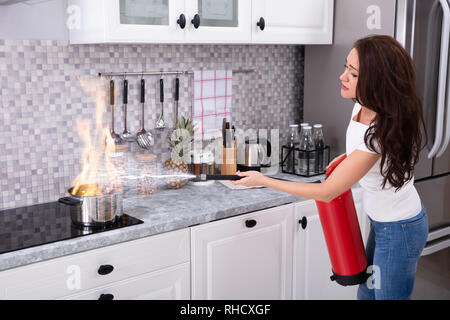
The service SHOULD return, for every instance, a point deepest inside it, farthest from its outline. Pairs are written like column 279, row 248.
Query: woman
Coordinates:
column 383, row 142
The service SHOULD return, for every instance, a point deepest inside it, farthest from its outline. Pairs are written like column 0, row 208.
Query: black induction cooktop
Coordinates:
column 35, row 225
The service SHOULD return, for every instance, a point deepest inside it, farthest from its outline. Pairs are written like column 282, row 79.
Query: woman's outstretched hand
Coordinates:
column 250, row 179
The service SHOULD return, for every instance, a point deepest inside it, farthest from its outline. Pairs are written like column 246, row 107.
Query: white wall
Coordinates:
column 37, row 20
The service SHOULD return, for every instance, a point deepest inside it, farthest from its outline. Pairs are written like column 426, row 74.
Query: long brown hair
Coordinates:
column 387, row 85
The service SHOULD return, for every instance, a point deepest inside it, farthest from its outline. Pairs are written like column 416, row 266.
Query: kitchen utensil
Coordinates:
column 224, row 139
column 117, row 139
column 160, row 124
column 229, row 160
column 126, row 135
column 177, row 97
column 205, row 177
column 144, row 138
column 93, row 211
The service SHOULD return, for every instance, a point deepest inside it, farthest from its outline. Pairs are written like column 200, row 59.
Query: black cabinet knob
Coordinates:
column 182, row 21
column 106, row 296
column 303, row 222
column 105, row 269
column 196, row 21
column 261, row 23
column 250, row 223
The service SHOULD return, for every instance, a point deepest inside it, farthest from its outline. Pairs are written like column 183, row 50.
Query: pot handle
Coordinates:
column 69, row 201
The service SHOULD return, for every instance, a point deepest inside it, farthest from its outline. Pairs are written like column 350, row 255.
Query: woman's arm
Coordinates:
column 346, row 174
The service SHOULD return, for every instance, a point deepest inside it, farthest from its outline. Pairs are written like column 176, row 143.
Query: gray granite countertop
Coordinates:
column 164, row 211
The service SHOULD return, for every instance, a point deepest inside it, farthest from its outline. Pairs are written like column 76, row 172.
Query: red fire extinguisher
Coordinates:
column 343, row 237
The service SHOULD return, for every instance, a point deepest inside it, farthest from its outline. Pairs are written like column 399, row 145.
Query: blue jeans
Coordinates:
column 393, row 250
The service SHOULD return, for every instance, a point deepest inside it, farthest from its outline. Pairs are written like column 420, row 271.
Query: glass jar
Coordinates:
column 147, row 169
column 208, row 163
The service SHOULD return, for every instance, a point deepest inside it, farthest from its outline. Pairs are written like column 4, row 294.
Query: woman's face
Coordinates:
column 349, row 79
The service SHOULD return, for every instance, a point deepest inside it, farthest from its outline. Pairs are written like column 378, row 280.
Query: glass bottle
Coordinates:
column 303, row 124
column 293, row 142
column 319, row 144
column 306, row 157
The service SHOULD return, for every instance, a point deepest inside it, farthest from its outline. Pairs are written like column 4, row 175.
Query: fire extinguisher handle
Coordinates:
column 334, row 165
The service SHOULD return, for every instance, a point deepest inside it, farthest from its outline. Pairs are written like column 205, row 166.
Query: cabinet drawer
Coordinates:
column 244, row 257
column 78, row 272
column 167, row 284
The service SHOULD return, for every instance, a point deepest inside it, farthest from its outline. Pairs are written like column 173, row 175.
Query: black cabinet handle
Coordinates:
column 106, row 296
column 303, row 222
column 105, row 269
column 250, row 223
column 261, row 23
column 182, row 21
column 196, row 21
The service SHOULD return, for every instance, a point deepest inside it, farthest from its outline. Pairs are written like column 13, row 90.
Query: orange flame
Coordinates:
column 98, row 174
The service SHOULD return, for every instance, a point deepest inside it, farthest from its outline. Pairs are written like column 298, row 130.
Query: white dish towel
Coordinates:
column 212, row 102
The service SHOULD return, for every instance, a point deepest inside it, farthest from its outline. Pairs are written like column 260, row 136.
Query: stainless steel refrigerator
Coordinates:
column 423, row 27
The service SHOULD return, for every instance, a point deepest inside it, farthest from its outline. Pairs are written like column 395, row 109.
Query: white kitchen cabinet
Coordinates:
column 127, row 21
column 161, row 21
column 292, row 21
column 76, row 273
column 244, row 257
column 173, row 283
column 221, row 21
column 312, row 267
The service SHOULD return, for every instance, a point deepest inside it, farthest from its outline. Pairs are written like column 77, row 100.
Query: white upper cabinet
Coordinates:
column 292, row 21
column 219, row 21
column 146, row 21
column 201, row 21
column 127, row 21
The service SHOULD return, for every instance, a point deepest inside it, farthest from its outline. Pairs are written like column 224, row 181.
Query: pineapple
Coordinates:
column 176, row 164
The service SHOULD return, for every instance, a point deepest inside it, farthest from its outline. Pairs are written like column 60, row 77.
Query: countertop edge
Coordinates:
column 18, row 258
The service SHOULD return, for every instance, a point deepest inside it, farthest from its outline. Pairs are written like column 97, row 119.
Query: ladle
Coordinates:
column 117, row 139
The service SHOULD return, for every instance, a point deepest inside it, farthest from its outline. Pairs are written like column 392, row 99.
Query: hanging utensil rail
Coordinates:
column 159, row 73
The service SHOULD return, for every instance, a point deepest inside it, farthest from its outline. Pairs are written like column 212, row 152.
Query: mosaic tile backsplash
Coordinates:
column 42, row 96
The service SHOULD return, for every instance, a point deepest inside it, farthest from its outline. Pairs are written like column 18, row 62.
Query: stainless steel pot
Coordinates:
column 94, row 211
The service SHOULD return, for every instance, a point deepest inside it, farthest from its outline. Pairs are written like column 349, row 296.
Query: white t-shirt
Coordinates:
column 382, row 205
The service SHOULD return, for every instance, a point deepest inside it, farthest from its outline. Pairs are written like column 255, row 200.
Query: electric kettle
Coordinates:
column 257, row 155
